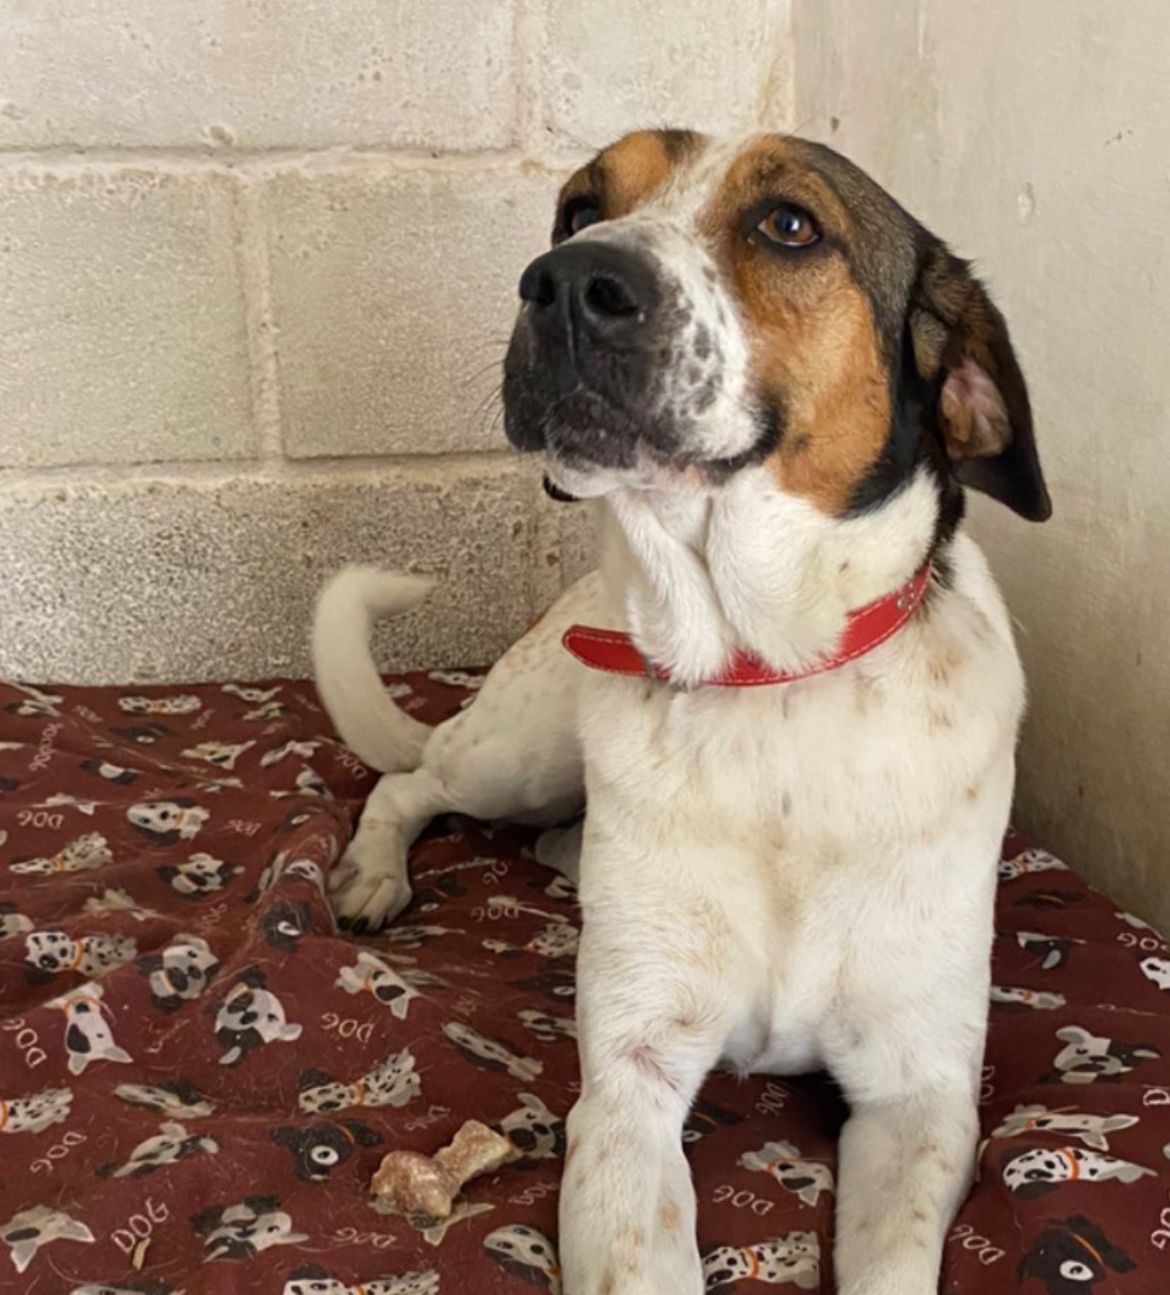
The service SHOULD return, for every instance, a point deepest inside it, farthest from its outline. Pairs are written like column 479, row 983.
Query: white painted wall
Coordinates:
column 1035, row 135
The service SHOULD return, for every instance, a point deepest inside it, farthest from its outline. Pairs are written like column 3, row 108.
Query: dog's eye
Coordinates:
column 1074, row 1271
column 578, row 214
column 789, row 226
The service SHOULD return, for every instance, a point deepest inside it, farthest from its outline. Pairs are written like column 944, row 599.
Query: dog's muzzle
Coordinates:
column 579, row 377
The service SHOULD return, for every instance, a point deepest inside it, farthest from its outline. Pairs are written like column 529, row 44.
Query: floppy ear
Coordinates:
column 961, row 344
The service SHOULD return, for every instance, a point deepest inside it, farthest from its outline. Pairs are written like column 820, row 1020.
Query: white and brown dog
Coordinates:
column 779, row 383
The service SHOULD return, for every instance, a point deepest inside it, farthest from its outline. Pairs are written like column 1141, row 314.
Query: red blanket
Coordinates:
column 199, row 1075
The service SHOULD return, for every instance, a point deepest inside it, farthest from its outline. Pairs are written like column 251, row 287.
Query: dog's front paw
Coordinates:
column 369, row 887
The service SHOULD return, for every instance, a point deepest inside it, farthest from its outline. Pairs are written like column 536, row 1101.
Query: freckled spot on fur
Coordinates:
column 863, row 1225
column 608, row 1284
column 938, row 719
column 785, row 804
column 919, row 1216
column 671, row 1217
column 843, row 567
column 971, row 792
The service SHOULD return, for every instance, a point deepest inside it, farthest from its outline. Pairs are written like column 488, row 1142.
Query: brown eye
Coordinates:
column 789, row 226
column 578, row 214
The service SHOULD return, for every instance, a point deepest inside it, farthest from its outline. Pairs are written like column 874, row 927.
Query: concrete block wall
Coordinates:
column 257, row 272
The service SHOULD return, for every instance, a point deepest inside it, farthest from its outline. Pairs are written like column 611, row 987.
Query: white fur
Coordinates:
column 384, row 736
column 782, row 878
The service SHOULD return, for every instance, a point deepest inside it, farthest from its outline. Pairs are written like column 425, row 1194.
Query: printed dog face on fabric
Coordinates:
column 319, row 1149
column 250, row 1017
column 25, row 1233
column 534, row 1130
column 805, row 1179
column 1089, row 1058
column 180, row 973
column 241, row 1231
column 88, row 1037
column 527, row 1253
column 1072, row 1257
column 167, row 822
column 370, row 975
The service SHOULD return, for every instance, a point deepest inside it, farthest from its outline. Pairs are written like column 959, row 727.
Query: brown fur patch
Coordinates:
column 624, row 175
column 814, row 341
column 671, row 1217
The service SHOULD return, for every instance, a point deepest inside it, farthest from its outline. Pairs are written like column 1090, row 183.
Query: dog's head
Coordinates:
column 709, row 307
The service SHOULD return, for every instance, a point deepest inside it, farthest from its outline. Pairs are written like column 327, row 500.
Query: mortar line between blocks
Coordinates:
column 256, row 283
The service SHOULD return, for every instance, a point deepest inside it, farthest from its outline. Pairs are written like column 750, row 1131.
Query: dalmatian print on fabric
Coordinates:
column 1034, row 1173
column 794, row 1259
column 35, row 1112
column 55, row 952
column 177, row 1080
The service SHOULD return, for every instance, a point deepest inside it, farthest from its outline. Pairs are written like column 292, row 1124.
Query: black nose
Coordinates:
column 606, row 293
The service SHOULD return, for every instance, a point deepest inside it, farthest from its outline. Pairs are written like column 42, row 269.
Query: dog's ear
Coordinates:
column 961, row 346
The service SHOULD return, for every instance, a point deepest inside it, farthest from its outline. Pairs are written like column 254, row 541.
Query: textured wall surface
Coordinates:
column 257, row 273
column 1033, row 136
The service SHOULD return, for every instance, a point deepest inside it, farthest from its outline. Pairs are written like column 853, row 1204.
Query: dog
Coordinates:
column 791, row 690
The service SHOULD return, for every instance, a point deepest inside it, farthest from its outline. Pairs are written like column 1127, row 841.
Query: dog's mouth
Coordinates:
column 555, row 492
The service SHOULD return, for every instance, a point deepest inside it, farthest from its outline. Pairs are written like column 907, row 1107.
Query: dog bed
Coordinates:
column 200, row 1074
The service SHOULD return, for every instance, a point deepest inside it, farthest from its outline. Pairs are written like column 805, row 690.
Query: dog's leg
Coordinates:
column 906, row 1165
column 513, row 753
column 653, row 1015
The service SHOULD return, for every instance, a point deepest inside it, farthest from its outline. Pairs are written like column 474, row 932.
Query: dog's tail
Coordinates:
column 371, row 725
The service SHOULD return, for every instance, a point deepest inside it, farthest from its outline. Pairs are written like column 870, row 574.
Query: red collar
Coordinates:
column 867, row 628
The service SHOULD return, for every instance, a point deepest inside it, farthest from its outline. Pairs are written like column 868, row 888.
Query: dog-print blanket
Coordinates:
column 199, row 1074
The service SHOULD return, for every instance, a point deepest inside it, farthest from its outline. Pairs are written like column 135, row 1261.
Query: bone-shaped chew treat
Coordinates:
column 424, row 1188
